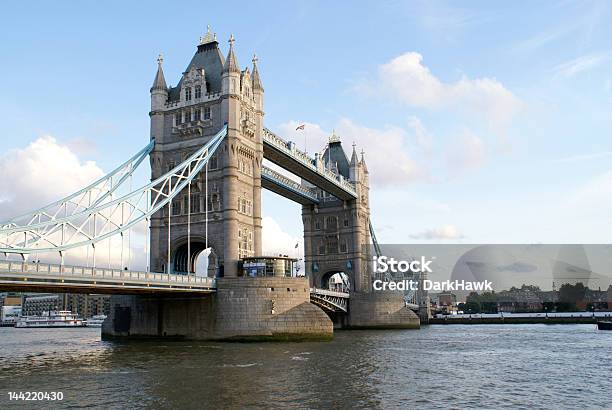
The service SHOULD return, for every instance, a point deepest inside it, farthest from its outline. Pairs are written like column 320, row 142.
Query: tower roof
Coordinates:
column 231, row 65
column 335, row 157
column 256, row 80
column 160, row 82
column 208, row 56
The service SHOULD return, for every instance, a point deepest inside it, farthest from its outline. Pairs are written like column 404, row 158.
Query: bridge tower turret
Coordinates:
column 336, row 234
column 211, row 93
column 159, row 97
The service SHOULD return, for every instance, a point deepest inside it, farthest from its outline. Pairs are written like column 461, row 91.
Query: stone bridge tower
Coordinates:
column 213, row 91
column 336, row 232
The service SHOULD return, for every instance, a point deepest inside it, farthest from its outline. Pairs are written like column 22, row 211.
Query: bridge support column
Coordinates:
column 380, row 310
column 270, row 308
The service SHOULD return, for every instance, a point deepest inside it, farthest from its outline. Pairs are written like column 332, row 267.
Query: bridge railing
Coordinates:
column 104, row 273
column 291, row 150
column 288, row 183
column 325, row 292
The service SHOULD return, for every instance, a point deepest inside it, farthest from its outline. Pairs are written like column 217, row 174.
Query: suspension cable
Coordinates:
column 169, row 222
column 189, row 225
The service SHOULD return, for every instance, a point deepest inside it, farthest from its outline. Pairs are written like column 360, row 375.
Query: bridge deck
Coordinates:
column 286, row 155
column 42, row 277
column 329, row 300
column 287, row 187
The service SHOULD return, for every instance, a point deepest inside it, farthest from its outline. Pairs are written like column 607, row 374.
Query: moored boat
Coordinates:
column 604, row 325
column 95, row 321
column 62, row 318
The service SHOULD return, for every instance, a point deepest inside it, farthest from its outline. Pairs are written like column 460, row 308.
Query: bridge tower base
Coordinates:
column 249, row 309
column 381, row 310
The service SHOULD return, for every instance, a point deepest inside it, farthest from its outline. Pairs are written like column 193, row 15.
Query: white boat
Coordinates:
column 62, row 318
column 95, row 321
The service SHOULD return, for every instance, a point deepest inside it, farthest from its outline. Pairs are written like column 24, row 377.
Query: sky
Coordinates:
column 481, row 122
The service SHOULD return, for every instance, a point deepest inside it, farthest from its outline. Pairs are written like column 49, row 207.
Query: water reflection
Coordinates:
column 437, row 366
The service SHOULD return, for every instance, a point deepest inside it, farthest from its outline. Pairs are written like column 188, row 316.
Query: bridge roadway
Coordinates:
column 42, row 277
column 51, row 278
column 286, row 155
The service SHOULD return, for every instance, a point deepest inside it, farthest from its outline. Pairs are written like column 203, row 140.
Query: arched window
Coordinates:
column 331, row 222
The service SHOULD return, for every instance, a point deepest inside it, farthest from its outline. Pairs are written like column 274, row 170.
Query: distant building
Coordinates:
column 525, row 299
column 35, row 304
column 444, row 302
column 85, row 305
column 447, row 299
column 10, row 299
column 82, row 304
column 9, row 314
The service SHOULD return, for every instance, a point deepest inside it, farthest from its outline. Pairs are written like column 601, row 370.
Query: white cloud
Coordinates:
column 578, row 65
column 40, row 173
column 409, row 80
column 276, row 241
column 45, row 171
column 583, row 157
column 443, row 232
column 596, row 191
column 468, row 152
column 422, row 137
column 386, row 151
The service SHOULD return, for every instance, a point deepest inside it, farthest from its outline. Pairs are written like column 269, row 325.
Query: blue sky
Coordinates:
column 482, row 122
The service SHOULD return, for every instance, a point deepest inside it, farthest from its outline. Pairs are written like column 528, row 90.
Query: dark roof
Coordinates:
column 335, row 153
column 209, row 57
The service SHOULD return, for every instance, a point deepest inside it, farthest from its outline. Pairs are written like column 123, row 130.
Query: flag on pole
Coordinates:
column 300, row 127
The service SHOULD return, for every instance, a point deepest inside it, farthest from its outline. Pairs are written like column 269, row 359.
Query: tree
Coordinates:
column 572, row 294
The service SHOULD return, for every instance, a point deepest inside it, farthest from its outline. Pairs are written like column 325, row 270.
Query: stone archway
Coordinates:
column 336, row 280
column 183, row 263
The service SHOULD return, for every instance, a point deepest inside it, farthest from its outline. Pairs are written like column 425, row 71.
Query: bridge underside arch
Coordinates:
column 183, row 263
column 334, row 279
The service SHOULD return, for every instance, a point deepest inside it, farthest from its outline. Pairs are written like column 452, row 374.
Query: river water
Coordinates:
column 461, row 366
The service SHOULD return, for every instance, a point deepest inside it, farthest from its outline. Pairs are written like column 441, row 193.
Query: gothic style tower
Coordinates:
column 336, row 232
column 212, row 92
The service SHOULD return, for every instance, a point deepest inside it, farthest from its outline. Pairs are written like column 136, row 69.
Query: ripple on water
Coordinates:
column 438, row 366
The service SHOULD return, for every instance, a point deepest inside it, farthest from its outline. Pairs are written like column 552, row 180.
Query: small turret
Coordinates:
column 256, row 79
column 354, row 166
column 231, row 65
column 160, row 82
column 363, row 163
column 159, row 89
column 258, row 91
column 230, row 81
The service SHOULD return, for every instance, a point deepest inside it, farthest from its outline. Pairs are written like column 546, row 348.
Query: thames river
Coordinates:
column 461, row 366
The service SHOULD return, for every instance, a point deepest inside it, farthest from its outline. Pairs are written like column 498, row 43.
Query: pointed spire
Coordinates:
column 230, row 63
column 354, row 159
column 256, row 80
column 333, row 137
column 160, row 82
column 209, row 37
column 363, row 164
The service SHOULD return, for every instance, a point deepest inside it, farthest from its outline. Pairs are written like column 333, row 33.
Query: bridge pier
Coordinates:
column 380, row 310
column 266, row 308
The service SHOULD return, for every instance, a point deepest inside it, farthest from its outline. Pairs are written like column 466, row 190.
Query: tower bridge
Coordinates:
column 206, row 151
